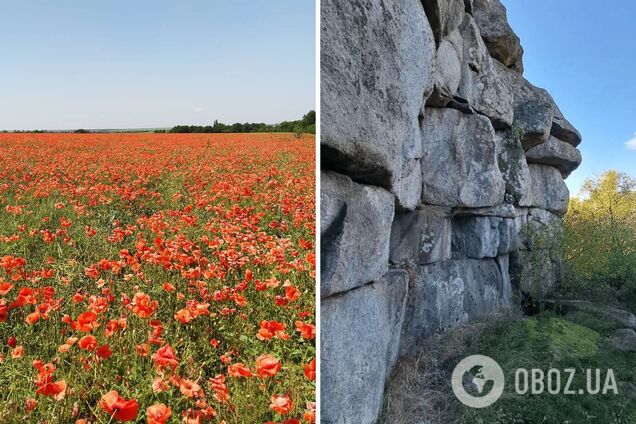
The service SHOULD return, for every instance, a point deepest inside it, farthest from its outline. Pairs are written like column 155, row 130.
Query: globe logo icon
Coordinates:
column 472, row 376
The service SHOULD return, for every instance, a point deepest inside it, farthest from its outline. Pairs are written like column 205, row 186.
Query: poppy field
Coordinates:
column 157, row 278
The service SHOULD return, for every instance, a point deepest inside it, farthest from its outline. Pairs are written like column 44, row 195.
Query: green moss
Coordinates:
column 568, row 338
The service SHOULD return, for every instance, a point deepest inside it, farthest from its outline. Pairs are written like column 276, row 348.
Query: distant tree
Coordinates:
column 81, row 131
column 601, row 234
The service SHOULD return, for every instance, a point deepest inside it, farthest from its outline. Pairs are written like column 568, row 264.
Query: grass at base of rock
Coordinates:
column 420, row 386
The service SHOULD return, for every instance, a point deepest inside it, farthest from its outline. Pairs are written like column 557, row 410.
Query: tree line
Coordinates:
column 305, row 125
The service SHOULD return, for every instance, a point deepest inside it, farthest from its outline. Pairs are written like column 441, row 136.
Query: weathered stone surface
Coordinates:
column 536, row 115
column 444, row 16
column 476, row 237
column 356, row 228
column 513, row 167
column 503, row 44
column 542, row 220
column 548, row 190
column 511, row 235
column 447, row 293
column 448, row 70
column 360, row 332
column 480, row 86
column 377, row 63
column 562, row 128
column 624, row 339
column 533, row 108
column 557, row 153
column 459, row 166
column 422, row 236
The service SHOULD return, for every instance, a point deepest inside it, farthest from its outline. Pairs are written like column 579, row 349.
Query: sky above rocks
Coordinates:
column 583, row 52
column 129, row 64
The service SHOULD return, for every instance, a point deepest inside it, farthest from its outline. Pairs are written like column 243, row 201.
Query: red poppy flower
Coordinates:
column 88, row 342
column 86, row 322
column 267, row 366
column 158, row 413
column 310, row 370
column 281, row 404
column 165, row 357
column 118, row 407
column 239, row 370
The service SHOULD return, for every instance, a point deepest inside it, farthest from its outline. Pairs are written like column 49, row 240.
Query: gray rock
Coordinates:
column 377, row 61
column 511, row 235
column 533, row 108
column 561, row 127
column 444, row 16
column 448, row 70
column 548, row 190
column 476, row 237
column 542, row 220
column 422, row 236
column 536, row 115
column 355, row 242
column 513, row 167
column 459, row 166
column 481, row 86
column 359, row 346
column 503, row 44
column 445, row 294
column 557, row 153
column 624, row 339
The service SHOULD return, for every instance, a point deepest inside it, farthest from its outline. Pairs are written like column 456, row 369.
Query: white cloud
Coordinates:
column 631, row 144
column 198, row 109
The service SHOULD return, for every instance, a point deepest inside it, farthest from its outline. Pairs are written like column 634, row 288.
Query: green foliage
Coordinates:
column 305, row 125
column 600, row 239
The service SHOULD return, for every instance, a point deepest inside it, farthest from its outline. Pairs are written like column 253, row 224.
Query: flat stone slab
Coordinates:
column 356, row 229
column 422, row 236
column 459, row 164
column 360, row 331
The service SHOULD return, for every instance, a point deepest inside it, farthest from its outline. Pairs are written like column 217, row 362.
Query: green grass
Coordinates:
column 579, row 341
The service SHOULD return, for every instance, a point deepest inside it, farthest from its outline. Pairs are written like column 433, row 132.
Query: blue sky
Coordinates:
column 154, row 63
column 584, row 53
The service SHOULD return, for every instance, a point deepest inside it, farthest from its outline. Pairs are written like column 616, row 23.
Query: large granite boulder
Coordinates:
column 422, row 236
column 445, row 294
column 480, row 86
column 459, row 164
column 548, row 190
column 377, row 61
column 356, row 229
column 557, row 153
column 359, row 345
column 503, row 44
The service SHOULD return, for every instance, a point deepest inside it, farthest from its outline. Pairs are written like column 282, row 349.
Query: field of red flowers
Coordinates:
column 157, row 278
